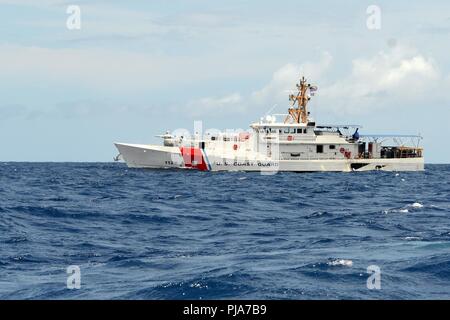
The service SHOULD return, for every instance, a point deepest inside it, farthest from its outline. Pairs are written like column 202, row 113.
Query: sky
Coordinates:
column 135, row 69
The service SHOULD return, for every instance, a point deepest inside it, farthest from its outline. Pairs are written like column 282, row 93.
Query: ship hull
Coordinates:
column 152, row 157
column 161, row 157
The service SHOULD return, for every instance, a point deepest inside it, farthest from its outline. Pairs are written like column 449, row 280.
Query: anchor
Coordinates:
column 117, row 158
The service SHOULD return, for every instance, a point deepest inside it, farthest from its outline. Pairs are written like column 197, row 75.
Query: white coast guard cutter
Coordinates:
column 295, row 144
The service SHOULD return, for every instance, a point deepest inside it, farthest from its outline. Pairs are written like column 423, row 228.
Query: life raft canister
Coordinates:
column 290, row 138
column 235, row 147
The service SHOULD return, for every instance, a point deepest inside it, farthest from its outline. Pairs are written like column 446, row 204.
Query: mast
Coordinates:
column 299, row 114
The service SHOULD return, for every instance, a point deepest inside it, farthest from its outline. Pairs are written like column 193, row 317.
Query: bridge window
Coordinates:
column 319, row 148
column 286, row 130
column 332, row 147
column 299, row 130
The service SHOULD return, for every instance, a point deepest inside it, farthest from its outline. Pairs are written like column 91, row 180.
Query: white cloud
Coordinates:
column 102, row 69
column 94, row 68
column 401, row 74
column 396, row 78
column 32, row 2
column 203, row 106
column 285, row 78
column 276, row 92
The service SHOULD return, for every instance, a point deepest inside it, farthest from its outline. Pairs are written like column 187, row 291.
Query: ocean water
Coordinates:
column 141, row 234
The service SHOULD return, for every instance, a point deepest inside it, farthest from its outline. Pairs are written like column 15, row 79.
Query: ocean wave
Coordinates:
column 207, row 287
column 145, row 234
column 412, row 238
column 413, row 207
column 437, row 266
column 150, row 218
column 340, row 262
column 319, row 214
column 16, row 239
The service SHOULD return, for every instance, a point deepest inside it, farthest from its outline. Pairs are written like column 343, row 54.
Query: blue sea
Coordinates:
column 143, row 234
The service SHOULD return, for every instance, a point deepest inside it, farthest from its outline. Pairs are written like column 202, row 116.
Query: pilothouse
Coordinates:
column 295, row 144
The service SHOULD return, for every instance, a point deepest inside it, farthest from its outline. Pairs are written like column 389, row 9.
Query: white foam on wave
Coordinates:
column 417, row 205
column 198, row 285
column 395, row 211
column 412, row 238
column 341, row 262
